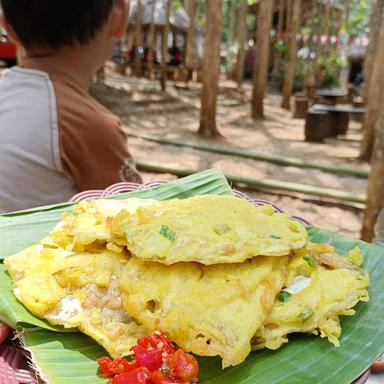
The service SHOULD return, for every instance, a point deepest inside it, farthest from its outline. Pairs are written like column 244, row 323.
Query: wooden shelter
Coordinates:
column 308, row 9
column 152, row 16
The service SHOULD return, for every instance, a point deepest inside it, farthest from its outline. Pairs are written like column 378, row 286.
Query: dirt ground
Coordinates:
column 174, row 114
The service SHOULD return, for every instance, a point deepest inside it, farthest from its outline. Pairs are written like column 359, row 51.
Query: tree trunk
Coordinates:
column 375, row 199
column 325, row 22
column 164, row 48
column 260, row 68
column 151, row 42
column 211, row 69
column 311, row 67
column 294, row 25
column 374, row 30
column 192, row 12
column 279, row 35
column 232, row 38
column 242, row 40
column 376, row 90
column 338, row 25
column 139, row 39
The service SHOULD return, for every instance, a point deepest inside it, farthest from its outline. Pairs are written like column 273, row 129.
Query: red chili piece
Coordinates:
column 156, row 361
column 139, row 376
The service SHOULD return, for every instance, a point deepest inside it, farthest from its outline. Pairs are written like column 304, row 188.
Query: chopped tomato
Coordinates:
column 104, row 365
column 156, row 361
column 151, row 359
column 111, row 367
column 183, row 365
column 121, row 365
column 157, row 341
column 138, row 376
column 158, row 378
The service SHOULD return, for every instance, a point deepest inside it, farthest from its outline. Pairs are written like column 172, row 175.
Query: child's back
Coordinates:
column 55, row 139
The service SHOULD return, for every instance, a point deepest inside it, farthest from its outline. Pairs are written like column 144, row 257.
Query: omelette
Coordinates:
column 321, row 286
column 76, row 289
column 89, row 223
column 207, row 229
column 207, row 310
column 216, row 274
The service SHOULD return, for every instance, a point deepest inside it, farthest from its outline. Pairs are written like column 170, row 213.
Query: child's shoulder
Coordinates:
column 75, row 106
column 72, row 97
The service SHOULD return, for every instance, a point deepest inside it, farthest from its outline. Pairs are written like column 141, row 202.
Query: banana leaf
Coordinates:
column 19, row 230
column 64, row 358
column 69, row 358
column 13, row 313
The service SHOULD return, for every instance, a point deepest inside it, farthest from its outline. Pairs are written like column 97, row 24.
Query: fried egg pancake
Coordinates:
column 90, row 222
column 320, row 287
column 207, row 310
column 76, row 290
column 208, row 229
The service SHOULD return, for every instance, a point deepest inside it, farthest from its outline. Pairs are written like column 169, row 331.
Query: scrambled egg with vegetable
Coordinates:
column 76, row 290
column 208, row 310
column 320, row 287
column 216, row 274
column 209, row 230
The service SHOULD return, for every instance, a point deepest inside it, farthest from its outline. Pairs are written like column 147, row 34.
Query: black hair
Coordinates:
column 56, row 23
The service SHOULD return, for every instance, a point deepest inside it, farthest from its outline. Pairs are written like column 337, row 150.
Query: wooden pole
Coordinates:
column 211, row 69
column 375, row 198
column 291, row 54
column 261, row 64
column 151, row 42
column 279, row 35
column 375, row 96
column 139, row 39
column 242, row 40
column 164, row 48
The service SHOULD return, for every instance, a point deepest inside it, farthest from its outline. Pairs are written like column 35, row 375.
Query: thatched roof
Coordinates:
column 178, row 19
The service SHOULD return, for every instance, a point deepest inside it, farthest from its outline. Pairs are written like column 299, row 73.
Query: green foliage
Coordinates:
column 227, row 15
column 330, row 67
column 357, row 23
column 298, row 80
column 175, row 4
column 281, row 46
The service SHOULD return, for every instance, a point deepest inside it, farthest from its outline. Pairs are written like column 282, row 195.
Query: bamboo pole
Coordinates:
column 264, row 183
column 260, row 68
column 278, row 160
column 291, row 54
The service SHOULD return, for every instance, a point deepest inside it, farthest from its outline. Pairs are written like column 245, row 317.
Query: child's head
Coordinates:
column 54, row 24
